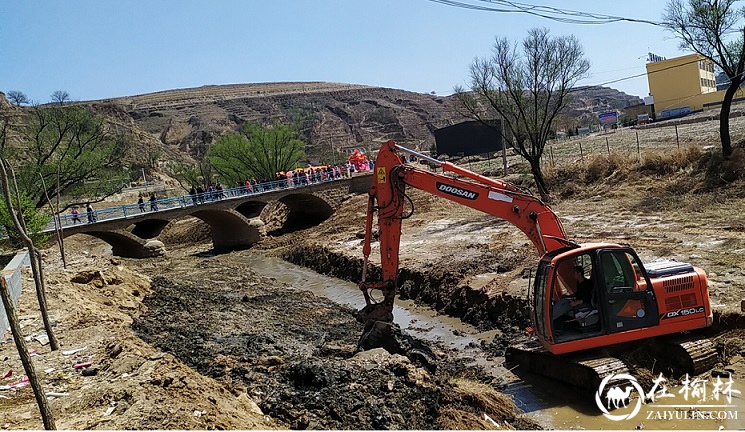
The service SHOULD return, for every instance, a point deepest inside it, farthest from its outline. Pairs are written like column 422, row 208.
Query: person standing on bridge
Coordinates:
column 141, row 203
column 193, row 195
column 74, row 212
column 153, row 202
column 91, row 215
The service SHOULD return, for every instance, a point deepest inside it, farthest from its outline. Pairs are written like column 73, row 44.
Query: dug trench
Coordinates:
column 445, row 292
column 440, row 289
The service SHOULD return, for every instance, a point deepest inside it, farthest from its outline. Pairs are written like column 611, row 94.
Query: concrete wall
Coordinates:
column 12, row 275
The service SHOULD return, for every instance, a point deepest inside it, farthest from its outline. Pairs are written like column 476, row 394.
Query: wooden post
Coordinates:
column 581, row 154
column 677, row 139
column 504, row 155
column 638, row 149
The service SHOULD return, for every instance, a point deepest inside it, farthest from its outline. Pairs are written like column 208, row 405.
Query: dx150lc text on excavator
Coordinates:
column 583, row 297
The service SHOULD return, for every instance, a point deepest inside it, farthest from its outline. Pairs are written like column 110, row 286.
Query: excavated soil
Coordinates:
column 295, row 354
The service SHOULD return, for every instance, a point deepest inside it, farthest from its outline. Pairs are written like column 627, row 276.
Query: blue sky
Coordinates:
column 100, row 49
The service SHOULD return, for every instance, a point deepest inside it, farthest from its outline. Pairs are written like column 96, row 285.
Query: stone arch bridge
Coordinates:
column 235, row 222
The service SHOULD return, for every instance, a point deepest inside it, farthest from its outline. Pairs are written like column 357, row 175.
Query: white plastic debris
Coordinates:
column 74, row 351
column 486, row 417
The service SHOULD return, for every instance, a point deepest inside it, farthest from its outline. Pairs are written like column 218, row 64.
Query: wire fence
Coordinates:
column 635, row 141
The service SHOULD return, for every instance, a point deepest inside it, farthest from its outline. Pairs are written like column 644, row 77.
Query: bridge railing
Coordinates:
column 188, row 200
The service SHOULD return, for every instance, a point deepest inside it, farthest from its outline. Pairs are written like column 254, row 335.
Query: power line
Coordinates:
column 568, row 16
column 641, row 74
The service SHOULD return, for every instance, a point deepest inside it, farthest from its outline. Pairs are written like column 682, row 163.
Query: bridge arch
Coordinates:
column 230, row 229
column 298, row 211
column 251, row 209
column 128, row 245
column 149, row 228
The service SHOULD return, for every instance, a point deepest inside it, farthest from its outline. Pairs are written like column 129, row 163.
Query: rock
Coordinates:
column 250, row 404
column 271, row 361
column 155, row 248
column 85, row 276
column 90, row 371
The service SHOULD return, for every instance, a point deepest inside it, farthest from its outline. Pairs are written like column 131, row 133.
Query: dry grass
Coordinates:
column 465, row 393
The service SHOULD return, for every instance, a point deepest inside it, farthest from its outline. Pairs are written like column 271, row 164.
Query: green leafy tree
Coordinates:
column 35, row 219
column 255, row 152
column 714, row 29
column 73, row 150
column 189, row 175
column 525, row 88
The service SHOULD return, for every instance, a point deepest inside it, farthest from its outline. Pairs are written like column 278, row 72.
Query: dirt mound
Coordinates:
column 130, row 384
column 189, row 230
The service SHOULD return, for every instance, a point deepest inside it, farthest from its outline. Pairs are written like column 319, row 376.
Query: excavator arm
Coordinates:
column 495, row 197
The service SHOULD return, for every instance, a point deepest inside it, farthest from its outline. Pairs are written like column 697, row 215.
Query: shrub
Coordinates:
column 36, row 221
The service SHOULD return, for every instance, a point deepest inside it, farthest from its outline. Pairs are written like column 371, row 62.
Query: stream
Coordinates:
column 552, row 404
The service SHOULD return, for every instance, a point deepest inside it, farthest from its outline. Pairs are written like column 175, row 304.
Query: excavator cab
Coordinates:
column 583, row 296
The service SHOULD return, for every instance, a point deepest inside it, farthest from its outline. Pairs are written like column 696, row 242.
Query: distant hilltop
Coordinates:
column 334, row 118
column 214, row 93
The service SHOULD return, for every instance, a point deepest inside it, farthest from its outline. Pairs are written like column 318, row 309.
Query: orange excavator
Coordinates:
column 584, row 296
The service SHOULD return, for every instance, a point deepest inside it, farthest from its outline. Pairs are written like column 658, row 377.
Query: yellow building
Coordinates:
column 683, row 84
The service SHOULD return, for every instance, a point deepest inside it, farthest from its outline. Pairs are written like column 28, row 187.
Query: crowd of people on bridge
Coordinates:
column 298, row 177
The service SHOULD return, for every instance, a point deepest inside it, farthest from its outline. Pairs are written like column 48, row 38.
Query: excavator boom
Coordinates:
column 623, row 301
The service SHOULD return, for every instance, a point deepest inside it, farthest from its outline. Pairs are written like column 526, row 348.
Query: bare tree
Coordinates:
column 20, row 226
column 28, row 366
column 60, row 96
column 714, row 29
column 526, row 89
column 18, row 97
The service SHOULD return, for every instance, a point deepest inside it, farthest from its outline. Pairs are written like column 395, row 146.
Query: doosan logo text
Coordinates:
column 452, row 190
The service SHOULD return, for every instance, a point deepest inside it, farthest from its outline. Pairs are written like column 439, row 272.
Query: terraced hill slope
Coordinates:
column 335, row 117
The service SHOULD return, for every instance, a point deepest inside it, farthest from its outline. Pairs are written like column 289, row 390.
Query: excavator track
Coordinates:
column 587, row 369
column 691, row 355
column 579, row 370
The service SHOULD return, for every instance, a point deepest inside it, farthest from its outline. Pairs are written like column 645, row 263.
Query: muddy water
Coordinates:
column 548, row 402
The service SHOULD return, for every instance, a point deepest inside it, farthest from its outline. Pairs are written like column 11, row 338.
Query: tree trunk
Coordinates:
column 28, row 367
column 540, row 183
column 38, row 272
column 36, row 264
column 724, row 117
